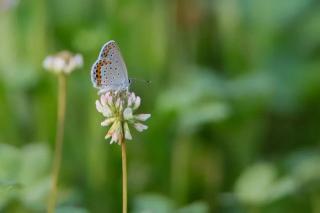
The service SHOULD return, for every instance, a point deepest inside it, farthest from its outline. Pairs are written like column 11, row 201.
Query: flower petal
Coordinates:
column 133, row 96
column 69, row 67
column 113, row 128
column 131, row 99
column 78, row 60
column 98, row 106
column 58, row 64
column 106, row 111
column 127, row 133
column 140, row 127
column 137, row 103
column 142, row 117
column 109, row 99
column 107, row 136
column 117, row 135
column 47, row 63
column 114, row 138
column 103, row 100
column 118, row 102
column 121, row 106
column 107, row 122
column 127, row 114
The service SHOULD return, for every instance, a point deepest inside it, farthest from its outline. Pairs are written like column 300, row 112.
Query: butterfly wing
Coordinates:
column 110, row 72
column 100, row 73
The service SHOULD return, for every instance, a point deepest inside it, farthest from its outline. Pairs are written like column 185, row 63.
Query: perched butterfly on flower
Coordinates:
column 109, row 72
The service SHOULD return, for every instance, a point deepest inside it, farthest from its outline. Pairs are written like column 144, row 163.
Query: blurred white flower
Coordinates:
column 118, row 108
column 8, row 4
column 64, row 61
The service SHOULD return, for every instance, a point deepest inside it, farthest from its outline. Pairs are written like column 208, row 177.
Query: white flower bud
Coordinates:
column 64, row 62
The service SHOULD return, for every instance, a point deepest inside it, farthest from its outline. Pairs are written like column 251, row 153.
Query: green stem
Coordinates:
column 124, row 174
column 58, row 143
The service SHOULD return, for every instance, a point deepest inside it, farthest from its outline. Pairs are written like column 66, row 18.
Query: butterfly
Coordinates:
column 109, row 72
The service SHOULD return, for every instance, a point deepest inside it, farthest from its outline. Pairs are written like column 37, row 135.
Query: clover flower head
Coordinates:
column 118, row 109
column 63, row 62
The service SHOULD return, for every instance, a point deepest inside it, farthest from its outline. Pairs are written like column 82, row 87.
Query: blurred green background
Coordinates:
column 235, row 104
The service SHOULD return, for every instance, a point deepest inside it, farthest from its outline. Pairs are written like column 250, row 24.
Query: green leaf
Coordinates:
column 35, row 164
column 70, row 209
column 196, row 207
column 254, row 184
column 259, row 185
column 153, row 204
column 9, row 169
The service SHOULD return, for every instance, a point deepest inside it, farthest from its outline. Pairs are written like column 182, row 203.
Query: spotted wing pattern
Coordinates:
column 109, row 72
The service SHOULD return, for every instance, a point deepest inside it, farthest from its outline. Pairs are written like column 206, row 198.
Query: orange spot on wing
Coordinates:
column 98, row 74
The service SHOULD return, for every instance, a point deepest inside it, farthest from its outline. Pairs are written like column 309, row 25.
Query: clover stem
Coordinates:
column 124, row 173
column 58, row 143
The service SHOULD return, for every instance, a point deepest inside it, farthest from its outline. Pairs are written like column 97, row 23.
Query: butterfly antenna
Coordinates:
column 140, row 80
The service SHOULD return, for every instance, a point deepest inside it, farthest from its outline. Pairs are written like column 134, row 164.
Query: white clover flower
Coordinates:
column 6, row 5
column 63, row 62
column 118, row 108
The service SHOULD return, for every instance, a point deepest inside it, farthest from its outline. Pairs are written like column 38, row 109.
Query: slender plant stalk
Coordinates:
column 124, row 175
column 58, row 143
